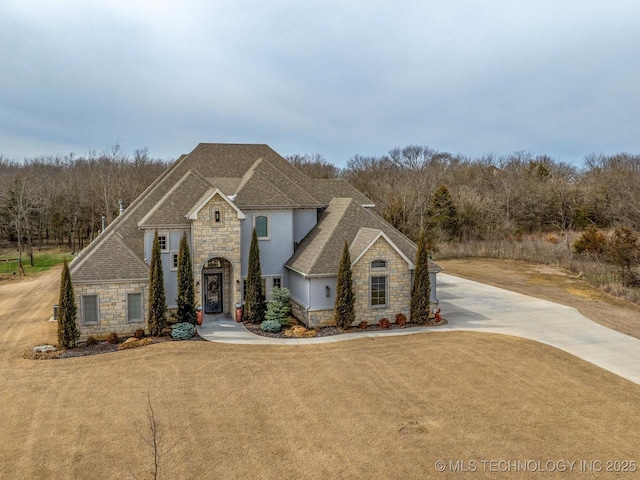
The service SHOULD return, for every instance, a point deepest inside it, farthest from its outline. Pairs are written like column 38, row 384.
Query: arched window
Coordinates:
column 261, row 224
column 378, row 264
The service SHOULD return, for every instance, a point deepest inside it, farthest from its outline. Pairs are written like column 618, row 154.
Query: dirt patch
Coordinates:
column 553, row 284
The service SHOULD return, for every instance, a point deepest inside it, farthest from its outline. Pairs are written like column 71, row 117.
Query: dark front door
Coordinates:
column 213, row 293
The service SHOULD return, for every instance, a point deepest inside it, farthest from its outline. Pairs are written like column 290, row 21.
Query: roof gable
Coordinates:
column 173, row 207
column 113, row 261
column 366, row 238
column 204, row 200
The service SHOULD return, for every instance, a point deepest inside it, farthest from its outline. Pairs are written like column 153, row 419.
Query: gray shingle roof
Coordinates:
column 112, row 261
column 253, row 175
column 320, row 251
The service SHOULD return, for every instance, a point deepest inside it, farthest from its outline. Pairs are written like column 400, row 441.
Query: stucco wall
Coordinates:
column 112, row 308
column 275, row 251
column 173, row 245
column 398, row 284
column 303, row 221
column 299, row 288
column 319, row 299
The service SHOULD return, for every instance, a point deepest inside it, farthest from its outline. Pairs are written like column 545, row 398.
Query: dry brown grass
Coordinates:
column 372, row 408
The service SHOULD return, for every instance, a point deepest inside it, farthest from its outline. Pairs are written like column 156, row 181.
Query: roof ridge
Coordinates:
column 294, row 183
column 247, row 176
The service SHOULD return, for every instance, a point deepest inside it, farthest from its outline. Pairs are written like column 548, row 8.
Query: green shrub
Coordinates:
column 272, row 326
column 279, row 307
column 182, row 331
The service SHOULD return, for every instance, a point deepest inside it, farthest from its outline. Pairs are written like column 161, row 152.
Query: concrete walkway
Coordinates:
column 473, row 306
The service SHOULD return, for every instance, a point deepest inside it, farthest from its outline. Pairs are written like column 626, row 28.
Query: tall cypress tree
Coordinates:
column 421, row 290
column 68, row 332
column 186, row 299
column 344, row 312
column 254, row 303
column 157, row 296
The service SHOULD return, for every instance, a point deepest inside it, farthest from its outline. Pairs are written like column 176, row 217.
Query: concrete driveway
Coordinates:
column 477, row 307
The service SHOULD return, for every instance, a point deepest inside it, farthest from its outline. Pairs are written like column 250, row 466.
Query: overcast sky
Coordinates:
column 335, row 78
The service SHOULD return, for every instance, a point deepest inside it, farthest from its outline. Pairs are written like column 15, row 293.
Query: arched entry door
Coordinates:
column 217, row 295
column 213, row 295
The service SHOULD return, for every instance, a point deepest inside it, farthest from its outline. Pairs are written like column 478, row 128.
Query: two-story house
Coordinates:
column 218, row 194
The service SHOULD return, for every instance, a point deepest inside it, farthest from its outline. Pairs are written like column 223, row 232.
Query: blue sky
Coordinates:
column 335, row 78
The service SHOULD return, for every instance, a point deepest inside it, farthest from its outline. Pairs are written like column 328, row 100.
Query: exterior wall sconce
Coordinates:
column 198, row 287
column 327, row 291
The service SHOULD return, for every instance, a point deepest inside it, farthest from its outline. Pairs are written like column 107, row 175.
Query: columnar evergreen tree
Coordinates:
column 157, row 296
column 186, row 299
column 68, row 333
column 421, row 290
column 344, row 312
column 254, row 307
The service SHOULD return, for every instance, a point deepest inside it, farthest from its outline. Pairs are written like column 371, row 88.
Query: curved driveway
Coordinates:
column 478, row 307
column 473, row 306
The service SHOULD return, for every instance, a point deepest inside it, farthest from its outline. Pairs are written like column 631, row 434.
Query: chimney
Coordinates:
column 121, row 207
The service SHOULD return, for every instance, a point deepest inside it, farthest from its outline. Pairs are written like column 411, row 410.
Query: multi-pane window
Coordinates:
column 162, row 241
column 276, row 282
column 89, row 309
column 174, row 260
column 378, row 291
column 134, row 307
column 262, row 226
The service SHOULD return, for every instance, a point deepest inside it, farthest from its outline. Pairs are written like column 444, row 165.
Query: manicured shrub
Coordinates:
column 363, row 325
column 279, row 307
column 401, row 319
column 112, row 338
column 91, row 341
column 383, row 323
column 421, row 290
column 157, row 296
column 182, row 331
column 344, row 312
column 272, row 326
column 139, row 333
column 68, row 332
column 254, row 307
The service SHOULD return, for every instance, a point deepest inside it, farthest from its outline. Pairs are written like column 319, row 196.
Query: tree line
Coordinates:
column 61, row 200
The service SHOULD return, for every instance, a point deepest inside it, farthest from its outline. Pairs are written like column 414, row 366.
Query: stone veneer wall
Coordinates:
column 299, row 311
column 112, row 308
column 398, row 284
column 321, row 318
column 222, row 239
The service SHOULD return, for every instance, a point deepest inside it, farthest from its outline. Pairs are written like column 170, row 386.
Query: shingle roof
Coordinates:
column 252, row 175
column 344, row 220
column 112, row 261
column 173, row 207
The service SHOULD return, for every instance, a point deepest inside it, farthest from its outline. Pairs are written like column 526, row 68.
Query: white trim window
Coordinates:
column 134, row 308
column 90, row 312
column 262, row 225
column 379, row 291
column 173, row 256
column 163, row 241
column 269, row 282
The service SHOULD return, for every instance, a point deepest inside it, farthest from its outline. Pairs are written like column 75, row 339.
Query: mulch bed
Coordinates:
column 329, row 331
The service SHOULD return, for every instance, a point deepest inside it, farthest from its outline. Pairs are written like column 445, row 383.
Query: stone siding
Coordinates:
column 211, row 239
column 298, row 311
column 398, row 284
column 321, row 318
column 112, row 308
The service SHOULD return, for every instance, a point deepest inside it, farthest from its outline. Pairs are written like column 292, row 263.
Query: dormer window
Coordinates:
column 261, row 224
column 378, row 264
